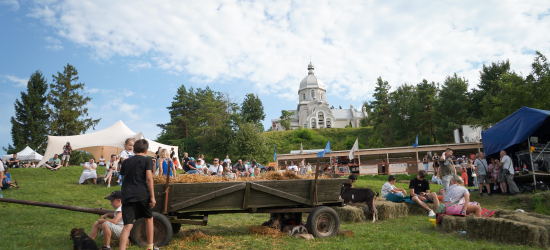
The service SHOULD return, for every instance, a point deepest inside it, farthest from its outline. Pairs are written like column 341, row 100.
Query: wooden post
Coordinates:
column 417, row 155
column 167, row 187
column 387, row 162
column 316, row 175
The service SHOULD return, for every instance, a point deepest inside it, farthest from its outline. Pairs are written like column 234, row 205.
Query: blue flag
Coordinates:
column 416, row 142
column 275, row 153
column 327, row 150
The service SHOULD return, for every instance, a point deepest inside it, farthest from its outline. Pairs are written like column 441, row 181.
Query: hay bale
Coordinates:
column 452, row 224
column 499, row 213
column 350, row 214
column 389, row 210
column 529, row 219
column 414, row 209
column 506, row 231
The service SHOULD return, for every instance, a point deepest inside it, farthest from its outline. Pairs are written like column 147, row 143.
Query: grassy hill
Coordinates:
column 340, row 138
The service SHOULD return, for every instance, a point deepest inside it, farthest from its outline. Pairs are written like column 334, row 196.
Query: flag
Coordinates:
column 275, row 153
column 327, row 150
column 353, row 149
column 416, row 142
column 301, row 148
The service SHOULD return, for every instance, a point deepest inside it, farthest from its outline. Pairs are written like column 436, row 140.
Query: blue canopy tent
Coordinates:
column 511, row 133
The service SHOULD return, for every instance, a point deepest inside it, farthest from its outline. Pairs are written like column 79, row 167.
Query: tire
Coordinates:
column 323, row 222
column 176, row 228
column 163, row 231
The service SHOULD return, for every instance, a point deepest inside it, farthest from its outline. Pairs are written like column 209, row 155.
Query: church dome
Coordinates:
column 311, row 81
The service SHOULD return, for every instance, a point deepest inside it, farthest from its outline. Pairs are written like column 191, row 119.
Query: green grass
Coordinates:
column 29, row 227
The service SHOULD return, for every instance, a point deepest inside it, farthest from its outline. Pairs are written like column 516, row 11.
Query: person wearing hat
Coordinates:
column 191, row 167
column 110, row 228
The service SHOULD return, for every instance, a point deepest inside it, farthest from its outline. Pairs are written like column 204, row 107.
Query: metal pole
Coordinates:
column 532, row 165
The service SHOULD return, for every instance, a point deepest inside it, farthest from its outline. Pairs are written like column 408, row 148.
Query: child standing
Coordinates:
column 137, row 193
column 110, row 228
column 126, row 153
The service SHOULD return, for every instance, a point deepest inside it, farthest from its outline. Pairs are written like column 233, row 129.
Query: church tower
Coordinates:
column 312, row 93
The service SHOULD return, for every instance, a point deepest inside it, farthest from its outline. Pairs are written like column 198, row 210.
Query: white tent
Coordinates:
column 26, row 154
column 105, row 142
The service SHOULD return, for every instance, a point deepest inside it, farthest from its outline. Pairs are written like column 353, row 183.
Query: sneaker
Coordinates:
column 154, row 248
column 106, row 248
column 53, row 169
column 490, row 194
column 109, row 185
column 480, row 194
column 431, row 213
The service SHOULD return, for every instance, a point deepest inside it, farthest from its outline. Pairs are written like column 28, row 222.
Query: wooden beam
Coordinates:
column 279, row 193
column 246, row 195
column 209, row 196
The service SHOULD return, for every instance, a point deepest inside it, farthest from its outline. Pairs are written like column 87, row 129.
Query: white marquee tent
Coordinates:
column 26, row 154
column 105, row 142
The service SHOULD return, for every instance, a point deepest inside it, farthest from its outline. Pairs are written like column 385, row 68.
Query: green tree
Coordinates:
column 285, row 118
column 516, row 91
column 404, row 115
column 490, row 76
column 452, row 107
column 250, row 143
column 67, row 106
column 29, row 127
column 381, row 108
column 252, row 110
column 425, row 100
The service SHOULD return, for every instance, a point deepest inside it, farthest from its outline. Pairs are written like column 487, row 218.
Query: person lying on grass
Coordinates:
column 420, row 192
column 110, row 229
column 457, row 200
column 390, row 189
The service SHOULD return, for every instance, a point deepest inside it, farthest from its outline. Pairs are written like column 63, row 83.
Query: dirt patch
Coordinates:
column 265, row 231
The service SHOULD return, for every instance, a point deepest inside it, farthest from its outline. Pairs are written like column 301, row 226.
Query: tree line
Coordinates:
column 434, row 110
column 204, row 121
column 61, row 111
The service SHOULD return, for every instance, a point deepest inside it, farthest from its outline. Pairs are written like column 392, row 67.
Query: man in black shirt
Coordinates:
column 12, row 162
column 240, row 168
column 137, row 192
column 420, row 192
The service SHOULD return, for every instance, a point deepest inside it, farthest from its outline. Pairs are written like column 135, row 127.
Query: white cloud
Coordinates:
column 93, row 90
column 269, row 43
column 13, row 4
column 53, row 43
column 19, row 82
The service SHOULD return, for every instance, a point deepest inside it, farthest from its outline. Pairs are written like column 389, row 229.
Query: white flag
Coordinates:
column 301, row 148
column 353, row 149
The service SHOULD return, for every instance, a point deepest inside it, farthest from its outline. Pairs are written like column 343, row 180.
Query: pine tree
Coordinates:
column 452, row 107
column 488, row 86
column 381, row 108
column 426, row 96
column 252, row 110
column 29, row 127
column 67, row 106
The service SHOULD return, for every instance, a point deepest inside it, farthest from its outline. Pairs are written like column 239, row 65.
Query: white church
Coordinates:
column 313, row 109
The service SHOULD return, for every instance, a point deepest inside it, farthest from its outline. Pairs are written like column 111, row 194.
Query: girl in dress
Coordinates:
column 164, row 162
column 89, row 172
column 464, row 174
column 125, row 154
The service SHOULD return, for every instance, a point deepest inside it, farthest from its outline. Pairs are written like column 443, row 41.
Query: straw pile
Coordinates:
column 269, row 176
column 265, row 231
column 350, row 213
column 507, row 231
column 390, row 210
column 452, row 224
column 414, row 209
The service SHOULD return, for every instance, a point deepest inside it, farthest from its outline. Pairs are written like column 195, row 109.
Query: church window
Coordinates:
column 329, row 123
column 313, row 121
column 312, row 94
column 304, row 96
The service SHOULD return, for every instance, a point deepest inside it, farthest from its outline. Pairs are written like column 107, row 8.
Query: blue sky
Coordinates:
column 133, row 55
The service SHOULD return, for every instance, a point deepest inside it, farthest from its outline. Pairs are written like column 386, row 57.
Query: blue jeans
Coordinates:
column 192, row 171
column 426, row 167
column 120, row 178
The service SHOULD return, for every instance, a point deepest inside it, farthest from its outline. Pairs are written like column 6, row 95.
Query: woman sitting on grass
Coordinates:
column 6, row 181
column 89, row 172
column 457, row 199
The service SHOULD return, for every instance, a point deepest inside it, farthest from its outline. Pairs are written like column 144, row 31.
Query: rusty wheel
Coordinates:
column 163, row 231
column 323, row 222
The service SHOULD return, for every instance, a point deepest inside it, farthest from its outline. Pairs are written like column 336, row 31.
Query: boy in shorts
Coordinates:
column 137, row 193
column 110, row 228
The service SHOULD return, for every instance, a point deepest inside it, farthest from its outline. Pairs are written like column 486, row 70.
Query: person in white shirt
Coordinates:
column 111, row 229
column 101, row 161
column 389, row 188
column 89, row 172
column 125, row 154
column 293, row 168
column 216, row 169
column 227, row 160
column 111, row 170
column 308, row 168
column 508, row 168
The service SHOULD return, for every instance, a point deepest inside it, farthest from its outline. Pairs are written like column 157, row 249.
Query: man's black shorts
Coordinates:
column 135, row 210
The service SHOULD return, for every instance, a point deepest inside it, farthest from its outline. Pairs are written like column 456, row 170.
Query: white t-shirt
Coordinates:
column 115, row 165
column 508, row 164
column 87, row 164
column 126, row 154
column 101, row 162
column 308, row 168
column 293, row 168
column 227, row 160
column 387, row 188
column 2, row 166
column 214, row 169
column 120, row 222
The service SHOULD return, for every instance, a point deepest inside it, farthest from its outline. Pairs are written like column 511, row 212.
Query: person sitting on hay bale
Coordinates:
column 420, row 193
column 89, row 172
column 457, row 199
column 110, row 229
column 389, row 190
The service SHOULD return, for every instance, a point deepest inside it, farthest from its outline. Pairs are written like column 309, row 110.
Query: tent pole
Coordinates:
column 532, row 165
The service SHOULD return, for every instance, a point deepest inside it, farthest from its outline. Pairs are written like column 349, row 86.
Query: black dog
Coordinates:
column 81, row 240
column 359, row 195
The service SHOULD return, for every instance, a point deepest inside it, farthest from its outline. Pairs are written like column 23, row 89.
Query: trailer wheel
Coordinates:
column 323, row 222
column 163, row 231
column 176, row 228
